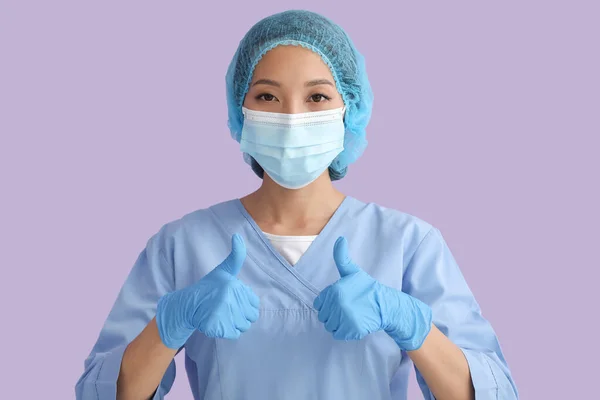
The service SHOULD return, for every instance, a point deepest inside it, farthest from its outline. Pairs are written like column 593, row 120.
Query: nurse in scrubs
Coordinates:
column 297, row 291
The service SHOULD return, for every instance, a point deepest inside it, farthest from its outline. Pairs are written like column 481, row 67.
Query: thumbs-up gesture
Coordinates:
column 218, row 305
column 357, row 305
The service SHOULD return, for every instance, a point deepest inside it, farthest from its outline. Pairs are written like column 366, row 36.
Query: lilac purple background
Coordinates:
column 486, row 124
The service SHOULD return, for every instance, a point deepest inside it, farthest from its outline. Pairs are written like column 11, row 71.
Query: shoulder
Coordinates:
column 391, row 228
column 196, row 224
column 390, row 221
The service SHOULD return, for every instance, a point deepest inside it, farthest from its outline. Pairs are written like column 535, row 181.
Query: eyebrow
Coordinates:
column 267, row 82
column 318, row 82
column 271, row 82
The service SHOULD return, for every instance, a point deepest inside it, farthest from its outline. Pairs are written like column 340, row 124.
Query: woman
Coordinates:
column 297, row 291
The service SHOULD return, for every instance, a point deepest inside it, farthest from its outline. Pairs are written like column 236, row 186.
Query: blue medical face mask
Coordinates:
column 293, row 149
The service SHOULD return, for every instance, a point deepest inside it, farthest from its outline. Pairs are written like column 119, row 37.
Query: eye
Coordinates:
column 318, row 98
column 266, row 97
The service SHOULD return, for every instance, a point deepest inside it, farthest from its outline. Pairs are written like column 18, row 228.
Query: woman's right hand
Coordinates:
column 218, row 305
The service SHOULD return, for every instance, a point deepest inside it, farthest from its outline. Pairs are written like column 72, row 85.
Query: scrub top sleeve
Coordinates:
column 135, row 306
column 433, row 276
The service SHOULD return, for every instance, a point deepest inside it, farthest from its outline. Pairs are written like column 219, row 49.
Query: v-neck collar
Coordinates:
column 305, row 259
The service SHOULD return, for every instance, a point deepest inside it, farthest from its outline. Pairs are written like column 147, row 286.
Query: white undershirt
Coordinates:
column 290, row 247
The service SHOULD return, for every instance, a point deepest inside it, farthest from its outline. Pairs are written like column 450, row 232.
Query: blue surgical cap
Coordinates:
column 324, row 37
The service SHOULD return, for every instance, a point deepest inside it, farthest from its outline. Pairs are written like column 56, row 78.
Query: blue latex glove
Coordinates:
column 218, row 305
column 357, row 305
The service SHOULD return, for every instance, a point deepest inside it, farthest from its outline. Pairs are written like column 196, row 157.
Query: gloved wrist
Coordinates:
column 172, row 329
column 406, row 319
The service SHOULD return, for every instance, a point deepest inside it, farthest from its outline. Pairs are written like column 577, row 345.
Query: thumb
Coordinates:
column 234, row 261
column 345, row 265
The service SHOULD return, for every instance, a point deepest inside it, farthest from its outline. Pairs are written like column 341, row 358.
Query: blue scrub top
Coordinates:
column 287, row 353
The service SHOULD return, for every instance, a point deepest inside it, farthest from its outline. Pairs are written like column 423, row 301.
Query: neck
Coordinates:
column 312, row 206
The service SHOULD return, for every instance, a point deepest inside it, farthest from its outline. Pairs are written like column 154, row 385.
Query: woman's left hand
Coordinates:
column 357, row 305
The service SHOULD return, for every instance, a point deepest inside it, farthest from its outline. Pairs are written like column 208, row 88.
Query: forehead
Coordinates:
column 290, row 64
